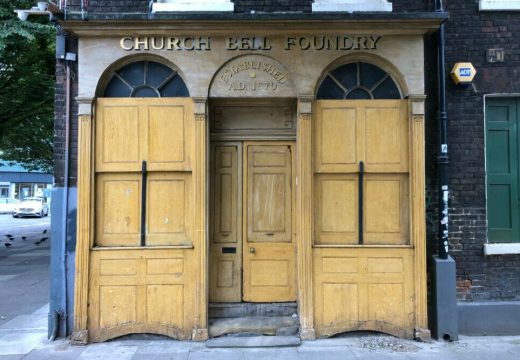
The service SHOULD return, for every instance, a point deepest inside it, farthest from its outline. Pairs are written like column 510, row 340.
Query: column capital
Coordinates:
column 417, row 104
column 85, row 105
column 200, row 105
column 305, row 104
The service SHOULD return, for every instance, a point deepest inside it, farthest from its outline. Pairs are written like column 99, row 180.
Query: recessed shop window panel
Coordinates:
column 336, row 202
column 386, row 138
column 118, row 205
column 168, row 210
column 118, row 143
column 386, row 210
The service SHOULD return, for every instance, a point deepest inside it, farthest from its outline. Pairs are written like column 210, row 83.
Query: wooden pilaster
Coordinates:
column 84, row 224
column 200, row 178
column 304, row 216
column 418, row 212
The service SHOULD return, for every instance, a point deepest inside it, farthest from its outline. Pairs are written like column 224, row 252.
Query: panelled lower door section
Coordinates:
column 363, row 268
column 269, row 252
column 141, row 277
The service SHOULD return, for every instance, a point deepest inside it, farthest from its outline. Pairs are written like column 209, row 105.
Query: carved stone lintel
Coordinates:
column 199, row 335
column 307, row 334
column 79, row 337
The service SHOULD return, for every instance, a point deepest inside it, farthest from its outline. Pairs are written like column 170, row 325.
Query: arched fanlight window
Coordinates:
column 146, row 79
column 358, row 81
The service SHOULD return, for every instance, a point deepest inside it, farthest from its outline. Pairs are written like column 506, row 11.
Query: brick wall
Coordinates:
column 468, row 34
column 59, row 120
column 241, row 6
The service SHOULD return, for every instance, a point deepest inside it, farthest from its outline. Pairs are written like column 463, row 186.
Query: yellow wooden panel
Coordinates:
column 269, row 199
column 162, row 305
column 268, row 206
column 386, row 303
column 386, row 136
column 165, row 266
column 269, row 272
column 225, row 274
column 336, row 136
column 168, row 209
column 159, row 298
column 340, row 265
column 166, row 136
column 225, row 197
column 383, row 138
column 386, row 214
column 340, row 303
column 118, row 144
column 385, row 265
column 118, row 203
column 336, row 204
column 269, row 159
column 119, row 306
column 360, row 288
column 117, row 267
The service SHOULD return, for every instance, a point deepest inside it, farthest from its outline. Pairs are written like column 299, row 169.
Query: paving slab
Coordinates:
column 217, row 354
column 109, row 350
column 253, row 341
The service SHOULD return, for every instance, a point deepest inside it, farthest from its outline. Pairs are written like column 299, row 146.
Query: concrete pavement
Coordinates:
column 353, row 347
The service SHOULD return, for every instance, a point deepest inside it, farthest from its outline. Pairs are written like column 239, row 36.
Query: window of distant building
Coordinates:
column 192, row 5
column 351, row 5
column 499, row 5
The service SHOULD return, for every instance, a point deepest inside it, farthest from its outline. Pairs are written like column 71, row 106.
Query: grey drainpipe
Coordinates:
column 443, row 158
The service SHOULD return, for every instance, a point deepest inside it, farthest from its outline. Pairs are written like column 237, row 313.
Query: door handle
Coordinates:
column 252, row 250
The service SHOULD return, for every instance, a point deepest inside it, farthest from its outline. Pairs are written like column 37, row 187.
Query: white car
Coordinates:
column 31, row 206
column 7, row 205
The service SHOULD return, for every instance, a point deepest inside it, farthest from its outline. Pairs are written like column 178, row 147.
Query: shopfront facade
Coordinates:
column 242, row 160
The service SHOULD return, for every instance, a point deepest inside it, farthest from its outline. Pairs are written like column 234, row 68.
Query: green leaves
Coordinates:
column 27, row 79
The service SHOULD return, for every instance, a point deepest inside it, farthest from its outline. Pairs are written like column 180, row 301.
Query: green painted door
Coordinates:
column 502, row 169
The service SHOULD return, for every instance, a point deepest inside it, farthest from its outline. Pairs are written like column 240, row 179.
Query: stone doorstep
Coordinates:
column 235, row 310
column 260, row 325
column 253, row 341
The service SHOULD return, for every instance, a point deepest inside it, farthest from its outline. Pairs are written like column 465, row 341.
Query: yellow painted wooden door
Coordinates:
column 268, row 246
column 226, row 223
column 141, row 276
column 364, row 267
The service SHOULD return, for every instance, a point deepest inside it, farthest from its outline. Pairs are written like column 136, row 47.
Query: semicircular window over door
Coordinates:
column 358, row 81
column 146, row 79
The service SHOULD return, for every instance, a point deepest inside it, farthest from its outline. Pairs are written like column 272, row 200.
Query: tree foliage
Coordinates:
column 27, row 77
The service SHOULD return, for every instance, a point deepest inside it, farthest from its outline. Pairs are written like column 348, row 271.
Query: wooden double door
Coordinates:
column 252, row 249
